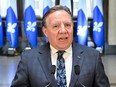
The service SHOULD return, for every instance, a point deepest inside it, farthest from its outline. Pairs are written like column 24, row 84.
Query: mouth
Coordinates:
column 63, row 38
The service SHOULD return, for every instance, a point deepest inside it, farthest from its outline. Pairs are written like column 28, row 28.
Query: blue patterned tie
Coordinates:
column 61, row 72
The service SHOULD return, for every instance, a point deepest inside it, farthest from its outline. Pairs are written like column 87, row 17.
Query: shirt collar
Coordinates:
column 53, row 50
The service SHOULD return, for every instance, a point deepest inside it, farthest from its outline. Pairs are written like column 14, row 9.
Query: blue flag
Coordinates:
column 98, row 23
column 1, row 33
column 66, row 3
column 12, row 23
column 30, row 25
column 82, row 23
column 47, row 4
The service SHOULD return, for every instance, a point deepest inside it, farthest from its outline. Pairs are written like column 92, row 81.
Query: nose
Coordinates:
column 62, row 29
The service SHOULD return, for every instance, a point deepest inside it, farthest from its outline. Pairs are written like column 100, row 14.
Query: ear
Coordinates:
column 44, row 31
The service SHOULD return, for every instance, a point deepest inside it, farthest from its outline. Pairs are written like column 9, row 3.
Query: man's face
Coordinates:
column 59, row 29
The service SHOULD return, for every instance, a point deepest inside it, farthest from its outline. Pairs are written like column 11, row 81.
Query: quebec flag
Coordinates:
column 66, row 3
column 12, row 23
column 82, row 23
column 98, row 23
column 47, row 4
column 1, row 33
column 30, row 25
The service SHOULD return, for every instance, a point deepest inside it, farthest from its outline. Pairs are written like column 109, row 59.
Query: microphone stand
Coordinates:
column 53, row 69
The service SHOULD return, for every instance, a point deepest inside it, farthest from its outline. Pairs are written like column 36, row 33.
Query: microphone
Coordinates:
column 77, row 72
column 53, row 69
column 77, row 69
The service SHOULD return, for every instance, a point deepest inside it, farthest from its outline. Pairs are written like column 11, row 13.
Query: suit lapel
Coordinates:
column 77, row 60
column 46, row 64
column 45, row 60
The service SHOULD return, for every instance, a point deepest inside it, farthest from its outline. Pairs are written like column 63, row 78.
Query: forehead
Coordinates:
column 59, row 14
column 58, row 17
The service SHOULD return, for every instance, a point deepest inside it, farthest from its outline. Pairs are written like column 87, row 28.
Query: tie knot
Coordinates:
column 60, row 53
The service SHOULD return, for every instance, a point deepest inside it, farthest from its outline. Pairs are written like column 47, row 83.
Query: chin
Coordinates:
column 63, row 47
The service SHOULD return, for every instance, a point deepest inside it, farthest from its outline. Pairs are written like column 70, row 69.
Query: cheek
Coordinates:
column 51, row 35
column 52, row 38
column 70, row 32
column 47, row 33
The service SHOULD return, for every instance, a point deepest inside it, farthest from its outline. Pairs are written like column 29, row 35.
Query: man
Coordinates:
column 83, row 65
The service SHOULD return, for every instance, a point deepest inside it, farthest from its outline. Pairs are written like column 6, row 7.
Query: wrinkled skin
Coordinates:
column 59, row 29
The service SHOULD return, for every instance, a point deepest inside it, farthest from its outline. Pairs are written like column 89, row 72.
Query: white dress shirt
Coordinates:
column 68, row 61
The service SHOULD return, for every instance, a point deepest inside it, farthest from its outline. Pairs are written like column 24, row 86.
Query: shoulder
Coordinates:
column 31, row 51
column 85, row 49
column 88, row 54
column 34, row 51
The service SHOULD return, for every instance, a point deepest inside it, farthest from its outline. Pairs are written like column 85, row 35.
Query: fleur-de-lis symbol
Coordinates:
column 97, row 26
column 31, row 26
column 82, row 30
column 11, row 27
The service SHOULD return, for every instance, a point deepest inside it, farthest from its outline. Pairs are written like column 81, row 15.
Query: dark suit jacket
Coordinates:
column 34, row 69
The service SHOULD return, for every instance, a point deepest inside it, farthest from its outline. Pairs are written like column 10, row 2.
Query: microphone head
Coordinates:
column 77, row 69
column 53, row 69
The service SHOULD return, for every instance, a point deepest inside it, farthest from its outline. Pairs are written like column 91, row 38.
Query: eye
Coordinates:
column 68, row 25
column 56, row 26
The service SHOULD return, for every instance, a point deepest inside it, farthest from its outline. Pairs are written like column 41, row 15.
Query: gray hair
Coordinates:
column 53, row 9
